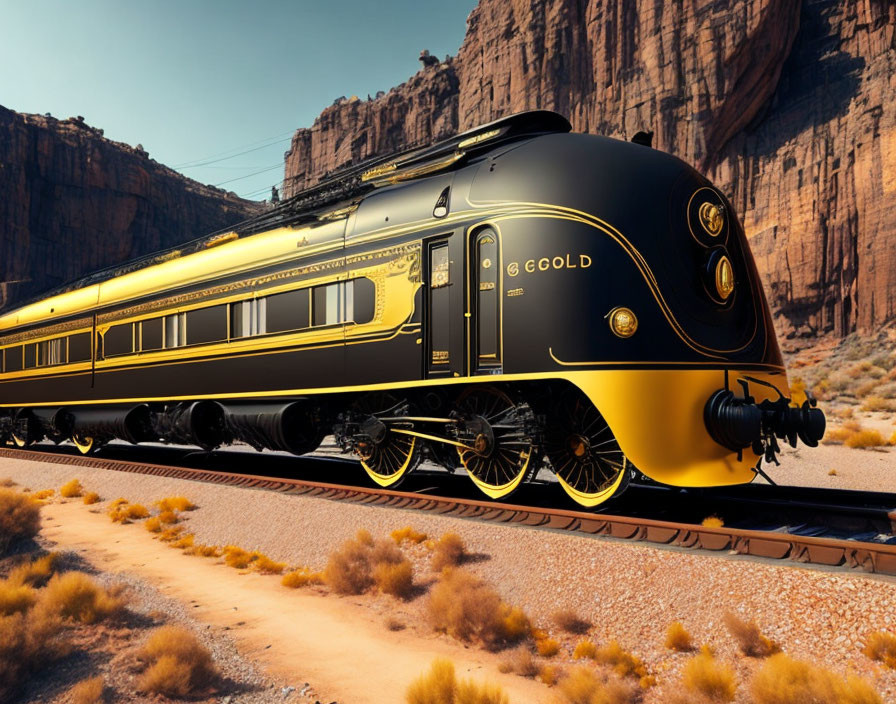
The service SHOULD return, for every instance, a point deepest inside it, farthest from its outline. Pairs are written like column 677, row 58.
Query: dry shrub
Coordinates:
column 266, row 565
column 878, row 403
column 204, row 551
column 865, row 438
column 175, row 503
column 179, row 665
column 624, row 663
column 27, row 643
column 782, row 680
column 584, row 649
column 76, row 596
column 549, row 674
column 749, row 638
column 19, row 518
column 168, row 517
column 569, row 621
column 881, row 646
column 302, row 577
column 184, row 542
column 832, row 473
column 713, row 522
column 400, row 535
column 7, row 482
column 395, row 579
column 702, row 674
column 171, row 534
column 521, row 662
column 449, row 551
column 836, row 436
column 91, row 497
column 153, row 525
column 88, row 691
column 466, row 608
column 236, row 557
column 364, row 537
column 677, row 638
column 348, row 569
column 15, row 598
column 35, row 573
column 71, row 490
column 440, row 686
column 120, row 511
column 547, row 647
column 584, row 686
column 43, row 494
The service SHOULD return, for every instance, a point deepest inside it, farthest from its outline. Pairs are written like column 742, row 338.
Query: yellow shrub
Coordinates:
column 400, row 535
column 71, row 490
column 348, row 569
column 364, row 537
column 237, row 557
column 569, row 621
column 44, row 494
column 623, row 663
column 266, row 565
column 171, row 534
column 76, row 596
column 440, row 686
column 583, row 686
column 704, row 675
column 88, row 691
column 547, row 647
column 204, row 551
column 19, row 518
column 153, row 525
column 179, row 665
column 865, row 438
column 881, row 646
column 713, row 522
column 301, row 577
column 520, row 662
column 175, row 503
column 120, row 511
column 15, row 597
column 515, row 623
column 749, row 638
column 584, row 649
column 549, row 674
column 91, row 497
column 184, row 542
column 28, row 642
column 168, row 517
column 35, row 573
column 785, row 681
column 677, row 638
column 449, row 551
column 877, row 403
column 396, row 579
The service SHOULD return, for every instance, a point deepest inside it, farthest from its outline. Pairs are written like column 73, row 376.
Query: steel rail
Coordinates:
column 878, row 558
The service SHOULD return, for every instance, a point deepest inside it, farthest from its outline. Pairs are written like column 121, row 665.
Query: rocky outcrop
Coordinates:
column 785, row 104
column 72, row 202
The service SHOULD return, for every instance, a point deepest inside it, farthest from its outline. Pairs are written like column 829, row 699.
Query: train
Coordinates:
column 513, row 298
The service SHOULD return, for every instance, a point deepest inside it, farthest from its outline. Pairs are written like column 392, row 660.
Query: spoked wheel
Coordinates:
column 85, row 443
column 584, row 453
column 386, row 456
column 499, row 456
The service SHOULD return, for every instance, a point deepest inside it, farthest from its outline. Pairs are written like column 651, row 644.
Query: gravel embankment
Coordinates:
column 629, row 591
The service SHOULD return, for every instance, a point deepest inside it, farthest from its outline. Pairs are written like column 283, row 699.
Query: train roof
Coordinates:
column 271, row 236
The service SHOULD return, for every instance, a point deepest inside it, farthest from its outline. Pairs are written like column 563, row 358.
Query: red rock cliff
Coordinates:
column 72, row 202
column 786, row 104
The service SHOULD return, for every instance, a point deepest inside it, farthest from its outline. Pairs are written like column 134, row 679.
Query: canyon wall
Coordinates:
column 72, row 202
column 785, row 104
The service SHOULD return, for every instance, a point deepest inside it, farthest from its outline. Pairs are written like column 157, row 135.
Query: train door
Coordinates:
column 444, row 301
column 484, row 303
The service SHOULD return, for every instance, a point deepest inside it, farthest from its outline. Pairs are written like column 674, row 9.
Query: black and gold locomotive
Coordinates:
column 514, row 295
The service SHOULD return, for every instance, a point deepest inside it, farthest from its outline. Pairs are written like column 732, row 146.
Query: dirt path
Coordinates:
column 346, row 653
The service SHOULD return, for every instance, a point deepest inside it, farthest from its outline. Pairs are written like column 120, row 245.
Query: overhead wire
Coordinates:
column 223, row 156
column 240, row 178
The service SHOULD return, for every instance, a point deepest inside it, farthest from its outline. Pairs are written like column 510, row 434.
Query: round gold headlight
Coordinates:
column 712, row 217
column 724, row 278
column 623, row 322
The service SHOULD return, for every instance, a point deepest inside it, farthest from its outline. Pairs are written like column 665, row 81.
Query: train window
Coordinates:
column 50, row 352
column 364, row 300
column 30, row 356
column 175, row 330
column 12, row 361
column 206, row 325
column 287, row 311
column 118, row 340
column 332, row 304
column 248, row 318
column 151, row 335
column 79, row 347
column 439, row 306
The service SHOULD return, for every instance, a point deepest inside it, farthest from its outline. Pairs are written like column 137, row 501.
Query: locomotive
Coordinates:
column 514, row 297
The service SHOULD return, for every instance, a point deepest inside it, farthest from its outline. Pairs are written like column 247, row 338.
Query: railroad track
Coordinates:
column 847, row 529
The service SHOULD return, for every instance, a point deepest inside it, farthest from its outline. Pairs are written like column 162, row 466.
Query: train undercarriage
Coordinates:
column 501, row 434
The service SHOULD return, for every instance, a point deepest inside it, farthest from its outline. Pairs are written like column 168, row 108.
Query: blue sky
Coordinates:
column 196, row 80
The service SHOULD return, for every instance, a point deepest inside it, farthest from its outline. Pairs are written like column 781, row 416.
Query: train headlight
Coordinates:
column 712, row 217
column 724, row 278
column 623, row 322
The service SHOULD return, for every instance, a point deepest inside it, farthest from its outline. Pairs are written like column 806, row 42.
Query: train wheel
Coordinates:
column 387, row 457
column 18, row 442
column 585, row 456
column 499, row 456
column 85, row 444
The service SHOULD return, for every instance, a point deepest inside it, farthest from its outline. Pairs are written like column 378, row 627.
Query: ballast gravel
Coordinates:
column 628, row 591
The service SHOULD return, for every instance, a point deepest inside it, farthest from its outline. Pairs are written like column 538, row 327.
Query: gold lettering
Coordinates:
column 556, row 265
column 569, row 264
column 544, row 264
column 513, row 269
column 530, row 266
column 584, row 261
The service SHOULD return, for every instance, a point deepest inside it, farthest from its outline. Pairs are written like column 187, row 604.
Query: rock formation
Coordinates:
column 785, row 104
column 72, row 202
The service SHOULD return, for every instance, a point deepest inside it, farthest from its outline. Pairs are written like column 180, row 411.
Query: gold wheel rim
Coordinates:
column 590, row 500
column 390, row 479
column 18, row 442
column 84, row 444
column 494, row 491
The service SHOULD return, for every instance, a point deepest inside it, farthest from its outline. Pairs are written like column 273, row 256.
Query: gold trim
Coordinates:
column 378, row 171
column 221, row 239
column 724, row 278
column 712, row 218
column 479, row 138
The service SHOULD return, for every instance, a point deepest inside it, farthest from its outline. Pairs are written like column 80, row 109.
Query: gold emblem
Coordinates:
column 724, row 278
column 486, row 263
column 623, row 322
column 712, row 218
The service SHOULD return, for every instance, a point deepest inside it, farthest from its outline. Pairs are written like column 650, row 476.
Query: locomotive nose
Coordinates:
column 739, row 422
